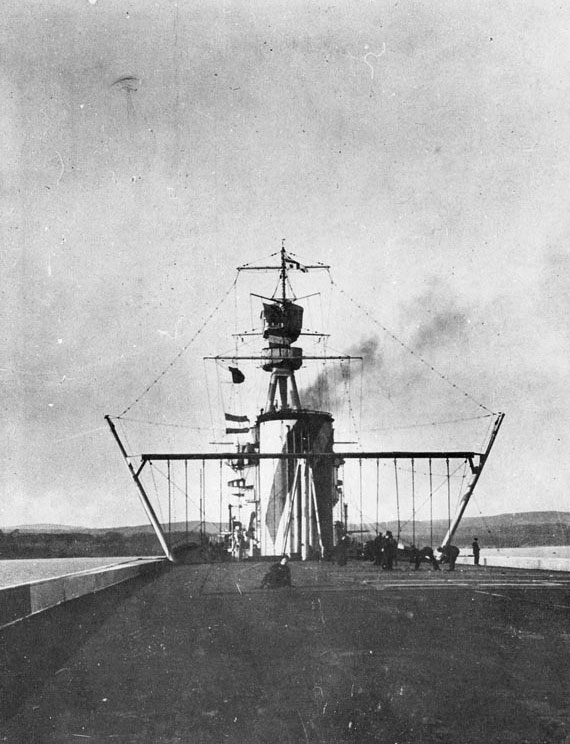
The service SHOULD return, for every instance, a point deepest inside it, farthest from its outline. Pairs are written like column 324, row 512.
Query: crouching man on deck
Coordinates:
column 449, row 555
column 418, row 555
column 278, row 575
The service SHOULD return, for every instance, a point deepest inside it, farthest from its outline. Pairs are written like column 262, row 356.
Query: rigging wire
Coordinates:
column 221, row 493
column 430, row 504
column 446, row 480
column 397, row 498
column 487, row 435
column 347, row 376
column 413, row 504
column 125, row 437
column 160, row 423
column 209, row 397
column 156, row 493
column 408, row 348
column 202, row 502
column 186, row 497
column 169, row 504
column 175, row 486
column 494, row 540
column 462, row 484
column 360, row 495
column 448, row 495
column 432, row 423
column 182, row 350
column 377, row 493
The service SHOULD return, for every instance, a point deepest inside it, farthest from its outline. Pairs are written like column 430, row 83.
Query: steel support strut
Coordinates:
column 142, row 493
column 476, row 472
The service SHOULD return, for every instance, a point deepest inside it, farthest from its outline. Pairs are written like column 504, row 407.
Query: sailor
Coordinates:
column 415, row 557
column 341, row 551
column 238, row 542
column 419, row 554
column 278, row 575
column 449, row 554
column 378, row 549
column 390, row 551
column 476, row 550
column 427, row 552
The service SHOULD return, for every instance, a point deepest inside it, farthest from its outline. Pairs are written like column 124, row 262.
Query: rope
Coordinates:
column 462, row 484
column 175, row 486
column 408, row 349
column 413, row 504
column 160, row 423
column 448, row 496
column 433, row 423
column 435, row 490
column 377, row 493
column 201, row 496
column 397, row 497
column 186, row 497
column 210, row 408
column 494, row 540
column 169, row 504
column 221, row 494
column 430, row 504
column 156, row 493
column 360, row 492
column 248, row 265
column 487, row 435
column 346, row 377
column 182, row 351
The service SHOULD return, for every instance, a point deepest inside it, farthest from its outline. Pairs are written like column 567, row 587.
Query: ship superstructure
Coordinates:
column 296, row 494
column 287, row 462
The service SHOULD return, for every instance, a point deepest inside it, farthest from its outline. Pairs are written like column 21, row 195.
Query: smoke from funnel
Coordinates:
column 330, row 383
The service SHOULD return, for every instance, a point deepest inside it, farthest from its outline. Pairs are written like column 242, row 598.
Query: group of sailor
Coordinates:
column 384, row 550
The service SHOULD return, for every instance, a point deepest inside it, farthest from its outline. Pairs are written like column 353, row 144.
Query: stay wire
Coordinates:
column 156, row 493
column 430, row 504
column 433, row 491
column 160, row 423
column 175, row 485
column 409, row 349
column 397, row 498
column 182, row 350
column 419, row 425
column 494, row 540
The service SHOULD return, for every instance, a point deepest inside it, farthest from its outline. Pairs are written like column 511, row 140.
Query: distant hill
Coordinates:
column 50, row 528
column 500, row 530
column 517, row 529
column 210, row 528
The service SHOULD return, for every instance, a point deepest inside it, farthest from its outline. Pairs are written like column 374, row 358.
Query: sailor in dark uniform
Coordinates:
column 427, row 552
column 378, row 549
column 449, row 554
column 476, row 550
column 419, row 554
column 278, row 575
column 390, row 551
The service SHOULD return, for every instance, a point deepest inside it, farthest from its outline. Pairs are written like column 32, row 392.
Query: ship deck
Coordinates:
column 353, row 653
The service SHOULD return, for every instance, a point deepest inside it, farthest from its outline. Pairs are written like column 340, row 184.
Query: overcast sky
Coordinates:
column 148, row 148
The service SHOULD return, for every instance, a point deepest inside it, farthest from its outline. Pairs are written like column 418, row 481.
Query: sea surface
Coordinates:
column 536, row 551
column 14, row 572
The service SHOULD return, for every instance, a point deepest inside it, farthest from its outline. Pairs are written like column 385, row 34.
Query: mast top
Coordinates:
column 286, row 263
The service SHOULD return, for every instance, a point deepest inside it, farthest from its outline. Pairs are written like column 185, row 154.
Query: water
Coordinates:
column 27, row 570
column 536, row 551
